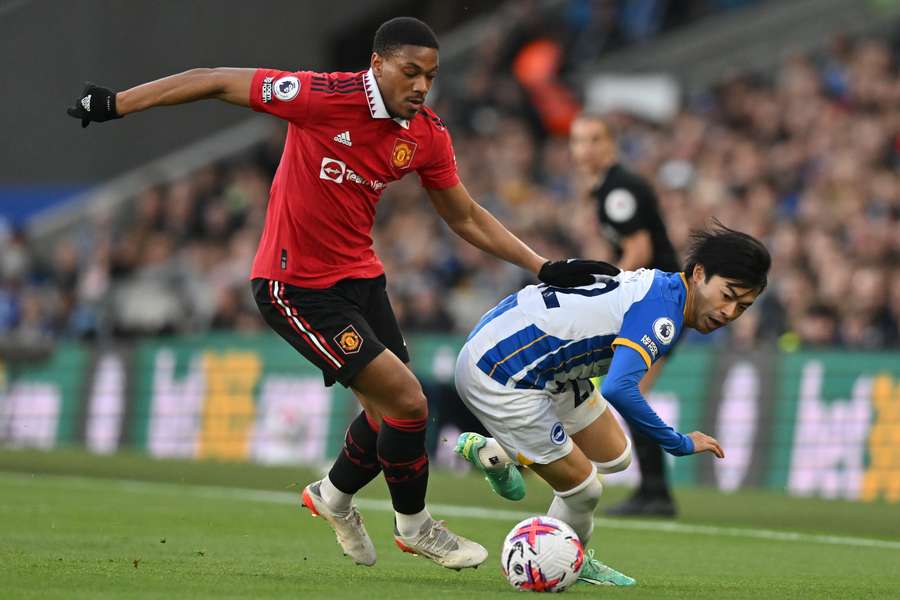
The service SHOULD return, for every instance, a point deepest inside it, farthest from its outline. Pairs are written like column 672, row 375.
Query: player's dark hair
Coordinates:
column 402, row 31
column 729, row 254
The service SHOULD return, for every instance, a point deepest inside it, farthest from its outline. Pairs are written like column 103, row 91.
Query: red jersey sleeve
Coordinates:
column 439, row 173
column 282, row 93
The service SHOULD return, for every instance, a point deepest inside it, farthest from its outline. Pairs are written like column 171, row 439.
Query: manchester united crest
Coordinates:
column 402, row 154
column 349, row 340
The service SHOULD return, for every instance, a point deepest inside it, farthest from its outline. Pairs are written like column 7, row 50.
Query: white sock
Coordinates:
column 492, row 456
column 409, row 525
column 336, row 500
column 576, row 506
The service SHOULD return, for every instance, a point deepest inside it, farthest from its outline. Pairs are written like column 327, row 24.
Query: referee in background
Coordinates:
column 629, row 216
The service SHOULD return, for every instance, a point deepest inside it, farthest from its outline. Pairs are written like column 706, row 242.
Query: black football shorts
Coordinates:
column 339, row 329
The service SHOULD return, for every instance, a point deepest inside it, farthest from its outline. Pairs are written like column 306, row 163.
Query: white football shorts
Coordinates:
column 532, row 426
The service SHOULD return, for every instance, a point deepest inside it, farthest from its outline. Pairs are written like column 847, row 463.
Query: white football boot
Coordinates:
column 437, row 543
column 348, row 528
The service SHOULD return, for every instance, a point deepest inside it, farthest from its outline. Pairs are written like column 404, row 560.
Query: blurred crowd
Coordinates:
column 806, row 157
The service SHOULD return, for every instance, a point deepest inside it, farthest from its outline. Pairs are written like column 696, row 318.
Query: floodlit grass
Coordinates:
column 70, row 527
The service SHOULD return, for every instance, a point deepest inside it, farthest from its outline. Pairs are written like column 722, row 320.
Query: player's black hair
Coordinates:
column 401, row 31
column 729, row 254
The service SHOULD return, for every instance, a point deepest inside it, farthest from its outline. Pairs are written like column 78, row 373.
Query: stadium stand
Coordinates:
column 805, row 156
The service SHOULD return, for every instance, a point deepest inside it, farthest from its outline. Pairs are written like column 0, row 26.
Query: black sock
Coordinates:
column 357, row 464
column 401, row 452
column 652, row 465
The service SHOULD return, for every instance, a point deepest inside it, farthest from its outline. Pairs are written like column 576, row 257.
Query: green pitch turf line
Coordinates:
column 471, row 512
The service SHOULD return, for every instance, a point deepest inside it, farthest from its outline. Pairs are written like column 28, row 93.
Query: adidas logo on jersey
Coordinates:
column 344, row 138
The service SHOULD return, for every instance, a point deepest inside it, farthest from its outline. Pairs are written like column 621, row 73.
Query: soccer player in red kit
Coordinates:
column 316, row 279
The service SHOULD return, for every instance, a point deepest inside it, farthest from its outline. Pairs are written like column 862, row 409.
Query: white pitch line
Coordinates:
column 469, row 512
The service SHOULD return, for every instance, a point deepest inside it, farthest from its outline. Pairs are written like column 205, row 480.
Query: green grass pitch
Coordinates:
column 71, row 526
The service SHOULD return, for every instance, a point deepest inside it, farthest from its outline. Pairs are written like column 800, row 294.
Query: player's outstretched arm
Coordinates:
column 98, row 104
column 480, row 228
column 621, row 388
column 470, row 221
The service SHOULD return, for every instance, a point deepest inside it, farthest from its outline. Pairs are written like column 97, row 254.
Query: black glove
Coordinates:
column 95, row 104
column 574, row 272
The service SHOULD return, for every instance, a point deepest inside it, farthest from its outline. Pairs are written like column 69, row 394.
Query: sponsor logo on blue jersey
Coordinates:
column 651, row 345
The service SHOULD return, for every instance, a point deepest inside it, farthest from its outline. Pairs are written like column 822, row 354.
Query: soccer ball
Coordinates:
column 541, row 554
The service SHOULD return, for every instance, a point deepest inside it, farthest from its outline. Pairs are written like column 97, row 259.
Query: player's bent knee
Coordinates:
column 584, row 496
column 620, row 463
column 410, row 404
column 400, row 398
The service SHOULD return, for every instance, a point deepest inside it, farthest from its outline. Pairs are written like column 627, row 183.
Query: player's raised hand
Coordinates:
column 574, row 272
column 706, row 443
column 95, row 104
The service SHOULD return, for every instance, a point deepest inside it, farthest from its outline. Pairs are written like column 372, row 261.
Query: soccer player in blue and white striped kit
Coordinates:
column 525, row 372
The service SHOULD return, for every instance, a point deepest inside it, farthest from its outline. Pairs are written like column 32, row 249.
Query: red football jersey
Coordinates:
column 342, row 149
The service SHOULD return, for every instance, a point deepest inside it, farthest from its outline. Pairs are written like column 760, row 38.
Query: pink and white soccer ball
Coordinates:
column 541, row 554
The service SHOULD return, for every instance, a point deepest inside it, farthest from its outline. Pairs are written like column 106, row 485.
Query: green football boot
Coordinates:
column 507, row 482
column 595, row 572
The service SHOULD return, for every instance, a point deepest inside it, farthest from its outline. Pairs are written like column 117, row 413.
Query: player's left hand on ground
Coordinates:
column 706, row 443
column 94, row 104
column 574, row 272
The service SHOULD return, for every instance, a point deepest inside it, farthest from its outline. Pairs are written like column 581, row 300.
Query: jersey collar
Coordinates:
column 376, row 102
column 602, row 177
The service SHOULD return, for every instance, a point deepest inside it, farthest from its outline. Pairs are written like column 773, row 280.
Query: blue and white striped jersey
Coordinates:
column 542, row 336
